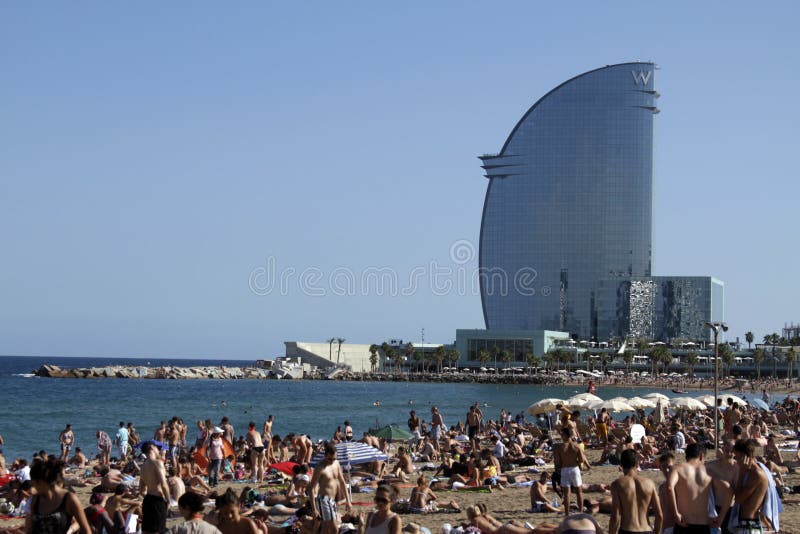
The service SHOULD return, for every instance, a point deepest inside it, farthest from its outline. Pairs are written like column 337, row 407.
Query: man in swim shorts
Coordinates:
column 570, row 456
column 155, row 489
column 437, row 425
column 256, row 452
column 631, row 499
column 325, row 485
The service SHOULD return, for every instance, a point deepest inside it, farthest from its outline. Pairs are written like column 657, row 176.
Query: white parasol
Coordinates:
column 544, row 406
column 688, row 403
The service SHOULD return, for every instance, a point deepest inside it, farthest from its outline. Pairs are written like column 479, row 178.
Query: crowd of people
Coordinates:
column 137, row 485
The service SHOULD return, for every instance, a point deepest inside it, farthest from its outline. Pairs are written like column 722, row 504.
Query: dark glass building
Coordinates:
column 569, row 203
column 659, row 307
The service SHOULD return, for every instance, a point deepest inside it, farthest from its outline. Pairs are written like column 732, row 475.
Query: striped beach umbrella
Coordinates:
column 353, row 453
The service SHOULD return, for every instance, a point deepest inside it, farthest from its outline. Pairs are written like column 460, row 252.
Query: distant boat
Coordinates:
column 679, row 391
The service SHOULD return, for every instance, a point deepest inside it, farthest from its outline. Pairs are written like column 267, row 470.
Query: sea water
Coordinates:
column 35, row 410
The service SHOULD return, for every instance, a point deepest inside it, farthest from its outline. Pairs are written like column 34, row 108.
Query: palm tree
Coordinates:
column 339, row 340
column 483, row 357
column 409, row 351
column 758, row 357
column 773, row 339
column 660, row 357
column 389, row 353
column 604, row 361
column 398, row 360
column 791, row 356
column 439, row 355
column 566, row 358
column 628, row 358
column 691, row 361
column 749, row 337
column 454, row 355
column 552, row 357
column 419, row 357
column 505, row 356
column 373, row 357
column 495, row 354
column 531, row 360
column 727, row 356
column 330, row 341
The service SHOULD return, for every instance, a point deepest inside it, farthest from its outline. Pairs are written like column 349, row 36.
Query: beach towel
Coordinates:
column 771, row 508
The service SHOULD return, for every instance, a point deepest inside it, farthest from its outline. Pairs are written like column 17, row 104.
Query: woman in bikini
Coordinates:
column 53, row 508
column 423, row 498
column 382, row 520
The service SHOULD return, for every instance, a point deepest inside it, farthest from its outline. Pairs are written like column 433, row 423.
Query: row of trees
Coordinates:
column 659, row 356
column 422, row 359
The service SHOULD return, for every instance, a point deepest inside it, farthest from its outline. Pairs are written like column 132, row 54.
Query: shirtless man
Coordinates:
column 404, row 465
column 121, row 503
column 437, row 427
column 66, row 439
column 174, row 440
column 688, row 489
column 267, row 436
column 751, row 486
column 325, row 485
column 253, row 439
column 154, row 488
column 161, row 432
column 570, row 457
column 473, row 425
column 78, row 459
column 665, row 463
column 631, row 499
column 724, row 473
column 539, row 500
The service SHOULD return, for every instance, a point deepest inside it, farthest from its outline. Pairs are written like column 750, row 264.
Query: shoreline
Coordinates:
column 256, row 373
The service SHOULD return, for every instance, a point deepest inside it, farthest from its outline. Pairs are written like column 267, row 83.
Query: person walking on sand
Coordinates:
column 267, row 437
column 571, row 457
column 437, row 427
column 215, row 454
column 687, row 492
column 632, row 497
column 324, row 488
column 154, row 488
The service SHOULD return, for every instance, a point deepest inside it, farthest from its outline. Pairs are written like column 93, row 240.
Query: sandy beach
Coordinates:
column 512, row 503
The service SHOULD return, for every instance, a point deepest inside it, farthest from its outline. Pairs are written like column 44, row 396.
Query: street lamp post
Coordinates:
column 716, row 328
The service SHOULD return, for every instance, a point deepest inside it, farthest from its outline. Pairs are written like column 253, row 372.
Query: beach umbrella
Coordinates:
column 708, row 400
column 758, row 403
column 640, row 403
column 656, row 396
column 612, row 406
column 588, row 397
column 160, row 444
column 353, row 453
column 620, row 399
column 688, row 403
column 544, row 406
column 392, row 432
column 738, row 400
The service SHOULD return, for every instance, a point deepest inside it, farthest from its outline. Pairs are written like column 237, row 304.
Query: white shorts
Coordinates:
column 571, row 476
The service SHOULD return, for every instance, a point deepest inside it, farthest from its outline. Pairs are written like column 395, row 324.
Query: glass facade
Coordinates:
column 518, row 343
column 569, row 202
column 663, row 308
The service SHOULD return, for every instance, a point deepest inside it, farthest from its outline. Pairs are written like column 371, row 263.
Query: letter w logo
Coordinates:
column 641, row 77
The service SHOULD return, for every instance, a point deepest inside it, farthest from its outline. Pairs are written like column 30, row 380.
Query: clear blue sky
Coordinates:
column 154, row 156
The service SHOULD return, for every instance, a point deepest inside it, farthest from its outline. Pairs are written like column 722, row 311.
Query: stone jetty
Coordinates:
column 256, row 373
column 174, row 373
